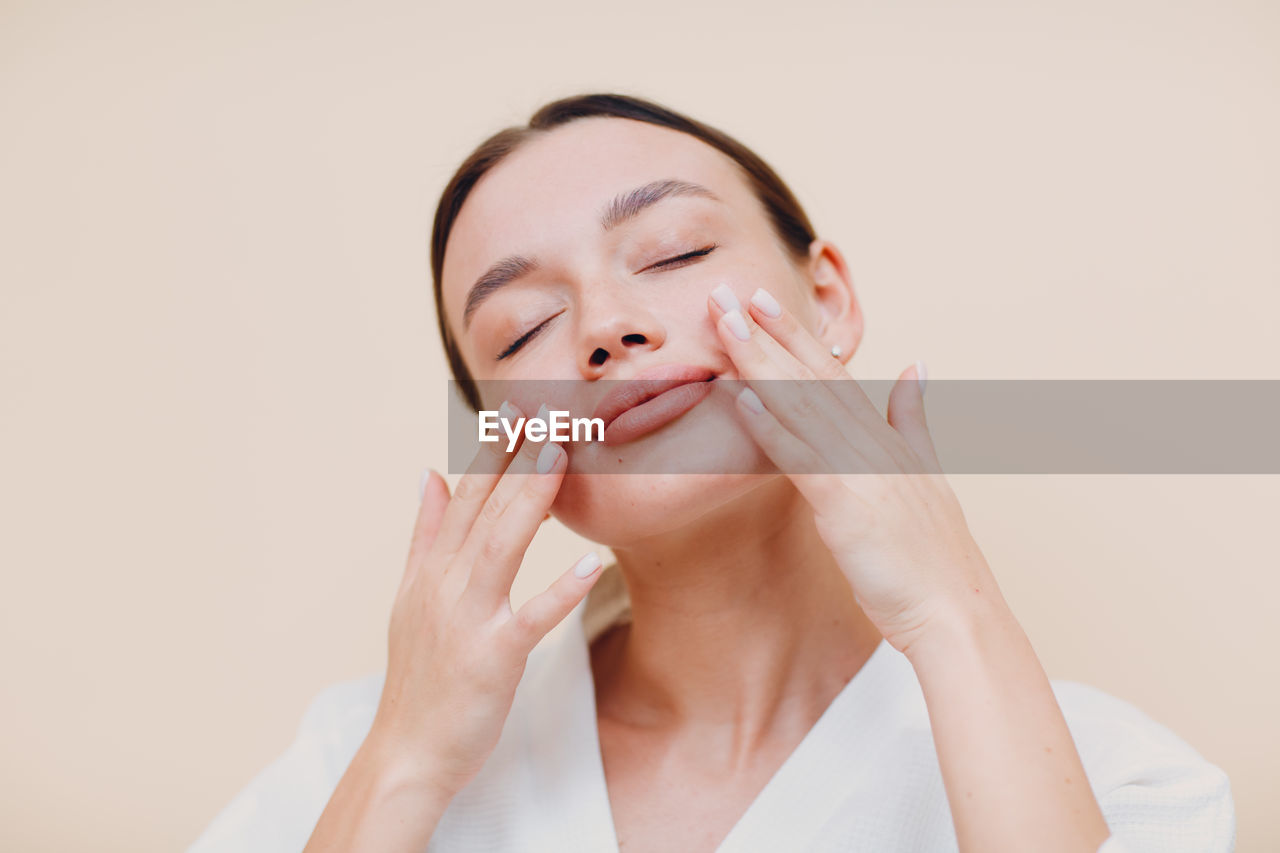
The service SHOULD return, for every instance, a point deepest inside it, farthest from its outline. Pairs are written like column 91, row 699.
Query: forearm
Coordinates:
column 379, row 805
column 1013, row 777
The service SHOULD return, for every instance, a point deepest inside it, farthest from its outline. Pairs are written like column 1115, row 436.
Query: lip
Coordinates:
column 651, row 399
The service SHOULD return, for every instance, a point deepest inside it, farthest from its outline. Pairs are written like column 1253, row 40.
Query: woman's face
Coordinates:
column 593, row 304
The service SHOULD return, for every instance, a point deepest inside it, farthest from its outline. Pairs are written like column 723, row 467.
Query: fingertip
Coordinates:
column 725, row 299
column 431, row 479
column 432, row 485
column 588, row 564
column 736, row 324
column 551, row 458
column 906, row 409
column 908, row 379
column 713, row 309
column 764, row 302
column 750, row 401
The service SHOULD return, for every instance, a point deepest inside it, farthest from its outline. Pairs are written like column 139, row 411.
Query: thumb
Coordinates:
column 906, row 415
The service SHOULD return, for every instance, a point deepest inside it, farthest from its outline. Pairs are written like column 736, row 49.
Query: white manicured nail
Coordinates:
column 737, row 324
column 922, row 375
column 726, row 298
column 509, row 412
column 422, row 483
column 749, row 399
column 548, row 457
column 764, row 300
column 585, row 567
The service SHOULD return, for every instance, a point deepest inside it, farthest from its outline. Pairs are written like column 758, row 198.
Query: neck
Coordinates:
column 743, row 619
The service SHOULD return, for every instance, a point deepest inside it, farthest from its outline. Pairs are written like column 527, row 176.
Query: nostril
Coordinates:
column 599, row 357
column 633, row 339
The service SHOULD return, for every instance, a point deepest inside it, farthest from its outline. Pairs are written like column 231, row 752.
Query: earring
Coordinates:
column 836, row 352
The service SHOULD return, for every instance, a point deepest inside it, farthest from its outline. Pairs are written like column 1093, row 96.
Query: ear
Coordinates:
column 840, row 314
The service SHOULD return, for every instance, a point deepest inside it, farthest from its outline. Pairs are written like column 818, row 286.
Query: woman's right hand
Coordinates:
column 456, row 649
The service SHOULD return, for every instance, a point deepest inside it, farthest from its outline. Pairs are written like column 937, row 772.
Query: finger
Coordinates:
column 504, row 548
column 521, row 465
column 755, row 356
column 789, row 453
column 435, row 499
column 807, row 469
column 806, row 406
column 906, row 415
column 787, row 330
column 870, row 437
column 784, row 327
column 537, row 616
column 511, row 517
column 476, row 485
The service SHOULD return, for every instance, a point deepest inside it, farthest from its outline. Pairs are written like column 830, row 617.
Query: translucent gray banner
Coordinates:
column 978, row 426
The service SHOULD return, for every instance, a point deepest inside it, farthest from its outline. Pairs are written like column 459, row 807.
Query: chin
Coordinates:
column 663, row 481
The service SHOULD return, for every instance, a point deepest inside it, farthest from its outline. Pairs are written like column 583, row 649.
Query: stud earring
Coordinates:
column 836, row 352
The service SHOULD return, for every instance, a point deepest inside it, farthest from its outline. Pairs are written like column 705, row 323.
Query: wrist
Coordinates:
column 397, row 768
column 961, row 626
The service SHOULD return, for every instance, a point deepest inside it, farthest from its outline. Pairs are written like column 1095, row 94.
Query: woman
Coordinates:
column 787, row 655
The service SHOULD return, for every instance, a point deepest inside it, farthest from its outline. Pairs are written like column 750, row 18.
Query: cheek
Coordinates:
column 546, row 373
column 683, row 308
column 743, row 279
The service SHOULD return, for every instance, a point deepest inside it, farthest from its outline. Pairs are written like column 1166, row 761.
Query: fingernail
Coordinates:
column 422, row 483
column 543, row 413
column 509, row 412
column 726, row 298
column 922, row 375
column 548, row 457
column 764, row 300
column 587, row 566
column 749, row 399
column 737, row 325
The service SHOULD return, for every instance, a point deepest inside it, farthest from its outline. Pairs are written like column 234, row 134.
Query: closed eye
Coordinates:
column 684, row 259
column 525, row 338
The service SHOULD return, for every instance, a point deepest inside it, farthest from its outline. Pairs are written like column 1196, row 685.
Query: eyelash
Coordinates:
column 670, row 263
column 687, row 256
column 524, row 339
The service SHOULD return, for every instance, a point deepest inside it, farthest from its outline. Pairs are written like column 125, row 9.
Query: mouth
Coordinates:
column 651, row 400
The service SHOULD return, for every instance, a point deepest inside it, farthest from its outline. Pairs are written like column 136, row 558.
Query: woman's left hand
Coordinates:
column 882, row 503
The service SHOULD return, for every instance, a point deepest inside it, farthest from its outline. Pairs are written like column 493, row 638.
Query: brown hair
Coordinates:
column 790, row 224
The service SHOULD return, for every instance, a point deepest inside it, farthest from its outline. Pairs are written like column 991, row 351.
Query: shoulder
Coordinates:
column 1156, row 791
column 280, row 805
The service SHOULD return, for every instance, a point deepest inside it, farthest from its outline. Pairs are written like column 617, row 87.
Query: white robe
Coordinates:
column 865, row 777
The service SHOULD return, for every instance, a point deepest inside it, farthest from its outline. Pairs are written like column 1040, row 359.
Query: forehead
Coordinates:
column 546, row 198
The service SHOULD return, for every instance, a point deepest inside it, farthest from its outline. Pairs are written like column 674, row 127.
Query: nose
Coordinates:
column 615, row 329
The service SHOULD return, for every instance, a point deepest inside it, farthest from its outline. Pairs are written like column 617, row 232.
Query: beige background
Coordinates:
column 221, row 375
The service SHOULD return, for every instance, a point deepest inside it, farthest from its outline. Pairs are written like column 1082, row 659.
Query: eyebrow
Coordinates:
column 624, row 207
